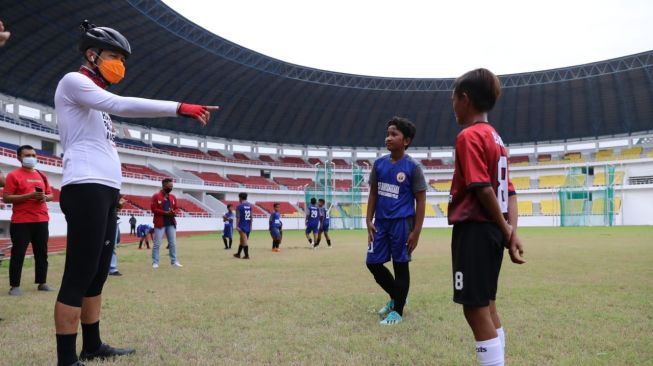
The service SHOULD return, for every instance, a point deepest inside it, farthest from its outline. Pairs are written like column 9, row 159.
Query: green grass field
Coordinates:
column 585, row 297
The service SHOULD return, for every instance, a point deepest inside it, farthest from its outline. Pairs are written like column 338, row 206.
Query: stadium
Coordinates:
column 580, row 140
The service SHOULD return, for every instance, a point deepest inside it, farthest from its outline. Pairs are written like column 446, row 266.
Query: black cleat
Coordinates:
column 104, row 352
column 237, row 255
column 246, row 257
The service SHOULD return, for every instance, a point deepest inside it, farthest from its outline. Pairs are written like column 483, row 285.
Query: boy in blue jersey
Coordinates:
column 243, row 224
column 312, row 223
column 142, row 231
column 227, row 232
column 325, row 220
column 395, row 214
column 275, row 228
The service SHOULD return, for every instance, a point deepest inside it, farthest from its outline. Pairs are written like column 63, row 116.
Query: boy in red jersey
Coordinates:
column 483, row 212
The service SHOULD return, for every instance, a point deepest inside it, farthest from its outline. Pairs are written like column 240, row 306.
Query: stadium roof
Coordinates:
column 265, row 99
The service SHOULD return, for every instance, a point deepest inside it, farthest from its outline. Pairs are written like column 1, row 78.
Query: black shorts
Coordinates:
column 90, row 211
column 476, row 256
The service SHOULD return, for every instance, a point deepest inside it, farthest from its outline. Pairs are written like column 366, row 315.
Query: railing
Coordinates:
column 648, row 179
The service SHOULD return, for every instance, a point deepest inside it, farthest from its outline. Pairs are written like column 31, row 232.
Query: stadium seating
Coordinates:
column 343, row 183
column 521, row 182
column 190, row 207
column 141, row 202
column 573, row 157
column 188, row 152
column 210, row 178
column 285, row 208
column 293, row 160
column 215, row 154
column 444, row 208
column 429, row 211
column 294, row 183
column 241, row 156
column 599, row 178
column 519, row 160
column 341, row 163
column 551, row 181
column 544, row 158
column 650, row 154
column 632, row 153
column 363, row 163
column 525, row 208
column 598, row 206
column 550, row 207
column 253, row 181
column 140, row 172
column 604, row 154
column 441, row 185
column 313, row 161
column 266, row 159
column 432, row 163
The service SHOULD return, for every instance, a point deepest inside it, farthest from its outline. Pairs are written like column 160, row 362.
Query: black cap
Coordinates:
column 103, row 38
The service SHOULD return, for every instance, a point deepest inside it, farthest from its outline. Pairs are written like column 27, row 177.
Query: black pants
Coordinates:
column 90, row 211
column 132, row 231
column 21, row 235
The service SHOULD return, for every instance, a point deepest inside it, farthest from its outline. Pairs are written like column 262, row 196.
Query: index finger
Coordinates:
column 212, row 108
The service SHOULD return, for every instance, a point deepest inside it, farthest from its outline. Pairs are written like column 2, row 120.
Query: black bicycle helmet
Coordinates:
column 103, row 38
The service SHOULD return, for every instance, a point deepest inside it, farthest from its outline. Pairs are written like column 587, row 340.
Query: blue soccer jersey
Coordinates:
column 396, row 185
column 324, row 213
column 229, row 222
column 275, row 221
column 313, row 216
column 245, row 217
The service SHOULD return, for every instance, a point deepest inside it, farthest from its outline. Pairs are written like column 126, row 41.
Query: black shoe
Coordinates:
column 105, row 351
column 116, row 273
column 237, row 255
column 246, row 257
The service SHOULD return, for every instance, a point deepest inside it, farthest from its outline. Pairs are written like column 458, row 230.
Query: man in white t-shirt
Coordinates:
column 91, row 183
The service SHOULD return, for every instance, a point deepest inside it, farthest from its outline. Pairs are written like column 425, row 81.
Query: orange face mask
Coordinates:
column 112, row 70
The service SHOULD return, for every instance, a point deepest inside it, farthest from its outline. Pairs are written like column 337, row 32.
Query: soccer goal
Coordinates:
column 588, row 199
column 343, row 199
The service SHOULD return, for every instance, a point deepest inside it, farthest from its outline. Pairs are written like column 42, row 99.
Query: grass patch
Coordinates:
column 585, row 297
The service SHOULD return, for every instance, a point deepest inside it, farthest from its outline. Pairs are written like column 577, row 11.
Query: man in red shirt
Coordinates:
column 28, row 190
column 164, row 208
column 483, row 212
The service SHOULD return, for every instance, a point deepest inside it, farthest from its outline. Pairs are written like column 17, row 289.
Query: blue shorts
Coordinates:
column 246, row 231
column 390, row 241
column 325, row 227
column 276, row 233
column 227, row 232
column 312, row 228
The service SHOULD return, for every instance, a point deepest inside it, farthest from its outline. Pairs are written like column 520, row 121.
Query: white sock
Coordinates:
column 490, row 352
column 502, row 337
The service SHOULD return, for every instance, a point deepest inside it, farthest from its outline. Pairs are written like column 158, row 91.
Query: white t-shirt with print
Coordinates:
column 87, row 136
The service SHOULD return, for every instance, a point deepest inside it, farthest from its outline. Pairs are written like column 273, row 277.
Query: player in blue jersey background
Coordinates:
column 325, row 222
column 312, row 222
column 275, row 228
column 227, row 232
column 243, row 224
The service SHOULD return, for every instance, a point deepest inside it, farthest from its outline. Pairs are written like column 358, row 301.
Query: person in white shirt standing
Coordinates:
column 91, row 183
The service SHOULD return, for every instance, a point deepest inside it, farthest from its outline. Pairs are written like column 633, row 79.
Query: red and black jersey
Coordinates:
column 481, row 160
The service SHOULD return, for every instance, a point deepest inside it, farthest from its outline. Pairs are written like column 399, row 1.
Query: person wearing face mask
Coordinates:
column 27, row 189
column 164, row 208
column 91, row 183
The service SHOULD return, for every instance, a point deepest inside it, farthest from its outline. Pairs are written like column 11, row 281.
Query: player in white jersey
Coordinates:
column 91, row 183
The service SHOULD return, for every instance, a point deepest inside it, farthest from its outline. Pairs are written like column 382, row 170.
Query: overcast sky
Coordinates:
column 429, row 38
